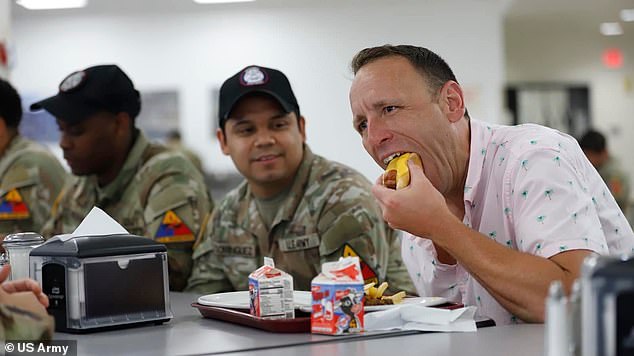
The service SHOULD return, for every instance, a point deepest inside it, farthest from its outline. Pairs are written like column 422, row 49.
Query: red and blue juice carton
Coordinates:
column 271, row 292
column 337, row 298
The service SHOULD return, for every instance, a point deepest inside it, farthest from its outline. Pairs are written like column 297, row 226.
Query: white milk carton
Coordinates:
column 271, row 292
column 337, row 298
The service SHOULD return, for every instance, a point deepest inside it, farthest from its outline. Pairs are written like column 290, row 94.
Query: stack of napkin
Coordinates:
column 417, row 317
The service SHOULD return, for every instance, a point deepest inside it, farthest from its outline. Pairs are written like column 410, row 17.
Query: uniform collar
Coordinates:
column 113, row 189
column 296, row 193
column 16, row 143
column 293, row 198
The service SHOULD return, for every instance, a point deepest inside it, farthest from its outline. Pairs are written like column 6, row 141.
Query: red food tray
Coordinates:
column 300, row 324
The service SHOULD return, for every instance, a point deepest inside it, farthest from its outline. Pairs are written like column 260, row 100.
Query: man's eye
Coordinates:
column 280, row 124
column 389, row 109
column 361, row 126
column 72, row 131
column 243, row 131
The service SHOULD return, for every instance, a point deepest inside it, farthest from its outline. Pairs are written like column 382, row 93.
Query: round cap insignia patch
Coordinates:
column 72, row 81
column 253, row 76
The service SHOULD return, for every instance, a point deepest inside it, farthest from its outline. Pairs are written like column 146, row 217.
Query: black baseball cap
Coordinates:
column 86, row 92
column 256, row 79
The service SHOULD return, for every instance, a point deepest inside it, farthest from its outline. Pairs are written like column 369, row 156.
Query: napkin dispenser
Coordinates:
column 608, row 306
column 102, row 282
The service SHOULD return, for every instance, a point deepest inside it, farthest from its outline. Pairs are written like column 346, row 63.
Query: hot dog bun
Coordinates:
column 396, row 174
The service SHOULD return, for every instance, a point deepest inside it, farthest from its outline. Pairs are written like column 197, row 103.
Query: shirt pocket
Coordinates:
column 238, row 252
column 299, row 256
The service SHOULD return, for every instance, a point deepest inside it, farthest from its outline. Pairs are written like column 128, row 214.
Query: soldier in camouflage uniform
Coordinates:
column 30, row 176
column 594, row 145
column 150, row 190
column 294, row 206
column 22, row 310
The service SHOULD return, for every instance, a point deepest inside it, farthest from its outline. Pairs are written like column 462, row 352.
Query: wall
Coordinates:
column 568, row 53
column 195, row 52
column 5, row 34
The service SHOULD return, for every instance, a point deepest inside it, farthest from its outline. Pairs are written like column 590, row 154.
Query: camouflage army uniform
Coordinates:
column 18, row 324
column 618, row 182
column 328, row 213
column 30, row 180
column 158, row 194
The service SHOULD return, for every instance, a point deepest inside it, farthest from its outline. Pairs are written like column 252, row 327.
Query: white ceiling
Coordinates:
column 123, row 7
column 589, row 13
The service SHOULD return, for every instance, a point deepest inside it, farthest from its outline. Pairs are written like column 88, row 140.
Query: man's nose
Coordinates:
column 377, row 132
column 65, row 142
column 264, row 138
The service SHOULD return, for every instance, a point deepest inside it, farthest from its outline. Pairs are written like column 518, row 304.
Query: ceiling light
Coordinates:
column 627, row 15
column 220, row 1
column 611, row 29
column 51, row 4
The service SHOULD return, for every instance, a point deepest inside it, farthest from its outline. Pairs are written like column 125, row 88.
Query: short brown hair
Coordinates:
column 431, row 66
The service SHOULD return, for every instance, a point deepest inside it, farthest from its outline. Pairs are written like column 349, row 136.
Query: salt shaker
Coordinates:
column 17, row 247
column 557, row 328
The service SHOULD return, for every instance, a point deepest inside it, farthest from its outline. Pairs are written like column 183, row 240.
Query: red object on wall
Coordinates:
column 613, row 58
column 3, row 54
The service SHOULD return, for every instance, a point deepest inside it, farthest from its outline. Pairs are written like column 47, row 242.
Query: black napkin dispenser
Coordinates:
column 103, row 282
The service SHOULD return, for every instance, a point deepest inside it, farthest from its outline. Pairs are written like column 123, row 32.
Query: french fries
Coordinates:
column 396, row 298
column 374, row 295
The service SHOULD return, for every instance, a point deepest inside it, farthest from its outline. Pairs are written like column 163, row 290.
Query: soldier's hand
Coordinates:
column 24, row 300
column 4, row 273
column 22, row 285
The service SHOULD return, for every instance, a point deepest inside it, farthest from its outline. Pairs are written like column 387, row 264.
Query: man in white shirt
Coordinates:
column 498, row 212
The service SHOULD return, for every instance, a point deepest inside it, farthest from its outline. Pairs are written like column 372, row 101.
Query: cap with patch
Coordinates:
column 86, row 92
column 256, row 79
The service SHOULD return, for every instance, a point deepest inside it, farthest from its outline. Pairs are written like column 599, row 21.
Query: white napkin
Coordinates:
column 417, row 317
column 96, row 223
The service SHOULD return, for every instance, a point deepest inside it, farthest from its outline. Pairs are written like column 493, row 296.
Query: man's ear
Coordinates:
column 222, row 140
column 123, row 123
column 452, row 100
column 301, row 124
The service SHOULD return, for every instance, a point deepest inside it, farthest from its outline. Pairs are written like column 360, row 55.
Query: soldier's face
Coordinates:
column 88, row 145
column 265, row 143
column 597, row 158
column 4, row 132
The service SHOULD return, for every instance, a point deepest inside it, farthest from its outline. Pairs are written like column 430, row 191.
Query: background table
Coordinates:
column 189, row 334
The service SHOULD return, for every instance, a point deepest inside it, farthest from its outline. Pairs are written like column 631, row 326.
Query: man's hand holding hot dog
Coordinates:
column 417, row 208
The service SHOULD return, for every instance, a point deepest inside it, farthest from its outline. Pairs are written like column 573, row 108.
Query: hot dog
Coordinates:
column 396, row 174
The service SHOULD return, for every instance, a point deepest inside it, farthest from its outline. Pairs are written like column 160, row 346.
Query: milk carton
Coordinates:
column 337, row 298
column 271, row 292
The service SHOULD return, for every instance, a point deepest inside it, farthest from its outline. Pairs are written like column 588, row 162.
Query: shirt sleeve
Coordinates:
column 174, row 212
column 18, row 324
column 553, row 208
column 348, row 226
column 31, row 185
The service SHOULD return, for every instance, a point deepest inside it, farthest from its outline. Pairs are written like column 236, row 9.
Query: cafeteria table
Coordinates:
column 190, row 334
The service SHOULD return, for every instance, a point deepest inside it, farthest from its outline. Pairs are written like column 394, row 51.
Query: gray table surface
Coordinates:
column 190, row 334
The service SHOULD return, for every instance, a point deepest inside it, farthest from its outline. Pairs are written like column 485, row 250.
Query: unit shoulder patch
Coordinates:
column 173, row 229
column 369, row 275
column 13, row 207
